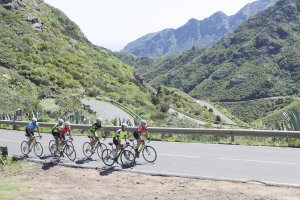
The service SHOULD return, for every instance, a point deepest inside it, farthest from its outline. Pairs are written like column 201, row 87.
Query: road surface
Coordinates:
column 183, row 116
column 246, row 163
column 216, row 112
column 107, row 111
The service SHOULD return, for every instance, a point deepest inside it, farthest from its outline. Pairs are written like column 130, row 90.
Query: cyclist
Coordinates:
column 55, row 131
column 93, row 132
column 63, row 130
column 120, row 134
column 30, row 128
column 142, row 129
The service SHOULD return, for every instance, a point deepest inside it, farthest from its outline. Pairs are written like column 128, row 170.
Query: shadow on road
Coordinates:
column 105, row 171
column 84, row 161
column 48, row 165
column 46, row 157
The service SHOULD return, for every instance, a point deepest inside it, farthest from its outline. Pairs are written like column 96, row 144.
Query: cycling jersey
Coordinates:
column 94, row 128
column 32, row 126
column 141, row 129
column 63, row 130
column 121, row 134
column 56, row 128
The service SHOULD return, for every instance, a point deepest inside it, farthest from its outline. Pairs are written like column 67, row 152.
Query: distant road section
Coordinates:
column 106, row 110
column 216, row 112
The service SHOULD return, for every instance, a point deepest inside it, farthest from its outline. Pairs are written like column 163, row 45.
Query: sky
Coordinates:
column 114, row 23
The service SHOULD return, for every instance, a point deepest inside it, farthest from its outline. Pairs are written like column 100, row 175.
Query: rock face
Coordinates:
column 199, row 33
column 12, row 5
column 36, row 25
column 260, row 59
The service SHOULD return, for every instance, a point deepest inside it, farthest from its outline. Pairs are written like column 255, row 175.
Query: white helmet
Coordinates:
column 143, row 121
column 67, row 123
column 124, row 125
column 34, row 119
column 99, row 119
column 61, row 121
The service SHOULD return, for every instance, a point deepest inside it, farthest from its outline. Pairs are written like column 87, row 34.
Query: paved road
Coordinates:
column 216, row 112
column 107, row 111
column 265, row 164
column 183, row 116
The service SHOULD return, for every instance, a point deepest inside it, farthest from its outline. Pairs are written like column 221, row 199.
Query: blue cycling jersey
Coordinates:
column 32, row 126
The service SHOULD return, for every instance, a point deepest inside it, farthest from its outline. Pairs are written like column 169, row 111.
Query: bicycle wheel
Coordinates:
column 25, row 148
column 100, row 149
column 129, row 148
column 127, row 158
column 87, row 149
column 38, row 149
column 149, row 154
column 53, row 149
column 70, row 152
column 52, row 144
column 108, row 157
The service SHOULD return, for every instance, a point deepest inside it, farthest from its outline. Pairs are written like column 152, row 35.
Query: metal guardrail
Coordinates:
column 186, row 131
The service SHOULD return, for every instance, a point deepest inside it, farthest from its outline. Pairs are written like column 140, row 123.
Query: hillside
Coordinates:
column 46, row 61
column 199, row 33
column 259, row 60
column 39, row 43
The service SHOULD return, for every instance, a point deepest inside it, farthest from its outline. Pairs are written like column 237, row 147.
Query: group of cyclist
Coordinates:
column 63, row 128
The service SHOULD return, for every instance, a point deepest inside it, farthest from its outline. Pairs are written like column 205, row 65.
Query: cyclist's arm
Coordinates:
column 70, row 133
column 125, row 136
column 38, row 130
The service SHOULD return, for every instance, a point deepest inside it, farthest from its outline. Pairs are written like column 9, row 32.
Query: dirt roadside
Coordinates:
column 56, row 182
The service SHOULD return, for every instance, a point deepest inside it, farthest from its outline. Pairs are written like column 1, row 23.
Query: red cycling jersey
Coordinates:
column 141, row 129
column 63, row 130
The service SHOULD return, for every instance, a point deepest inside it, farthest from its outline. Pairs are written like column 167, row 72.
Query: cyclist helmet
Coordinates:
column 67, row 123
column 124, row 125
column 61, row 121
column 99, row 119
column 143, row 122
column 34, row 119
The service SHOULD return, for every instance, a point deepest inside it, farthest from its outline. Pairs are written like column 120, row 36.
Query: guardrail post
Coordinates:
column 232, row 138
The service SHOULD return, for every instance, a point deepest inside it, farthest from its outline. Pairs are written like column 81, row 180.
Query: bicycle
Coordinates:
column 67, row 149
column 53, row 148
column 37, row 147
column 149, row 153
column 88, row 151
column 127, row 157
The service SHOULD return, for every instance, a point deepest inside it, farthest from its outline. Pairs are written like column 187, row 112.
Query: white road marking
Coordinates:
column 174, row 155
column 258, row 161
column 10, row 141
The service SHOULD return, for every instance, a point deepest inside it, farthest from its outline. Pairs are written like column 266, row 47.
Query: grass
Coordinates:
column 10, row 190
column 238, row 140
column 14, row 165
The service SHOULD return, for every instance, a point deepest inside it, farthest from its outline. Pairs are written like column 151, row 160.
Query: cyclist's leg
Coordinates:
column 117, row 144
column 56, row 138
column 30, row 135
column 93, row 142
column 138, row 139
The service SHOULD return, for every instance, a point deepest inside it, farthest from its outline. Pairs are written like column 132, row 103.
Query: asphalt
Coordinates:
column 107, row 111
column 216, row 112
column 270, row 165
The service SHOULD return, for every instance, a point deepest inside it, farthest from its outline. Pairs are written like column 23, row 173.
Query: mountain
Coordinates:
column 259, row 60
column 47, row 65
column 43, row 54
column 199, row 33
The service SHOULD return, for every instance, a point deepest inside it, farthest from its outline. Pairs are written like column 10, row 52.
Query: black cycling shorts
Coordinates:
column 29, row 132
column 115, row 141
column 136, row 135
column 55, row 134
